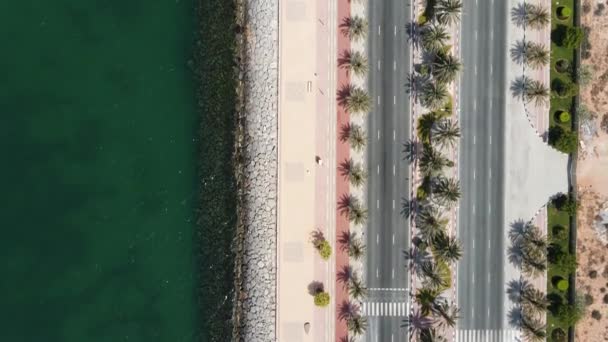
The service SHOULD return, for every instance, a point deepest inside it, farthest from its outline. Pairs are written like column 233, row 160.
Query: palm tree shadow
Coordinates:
column 345, row 25
column 345, row 132
column 519, row 87
column 343, row 94
column 345, row 274
column 345, row 167
column 518, row 15
column 348, row 310
column 518, row 229
column 411, row 149
column 515, row 288
column 414, row 34
column 416, row 258
column 345, row 239
column 346, row 202
column 519, row 52
column 345, row 58
column 515, row 253
column 515, row 317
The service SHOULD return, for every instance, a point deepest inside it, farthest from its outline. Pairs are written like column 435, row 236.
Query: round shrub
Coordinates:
column 322, row 299
column 421, row 193
column 564, row 12
column 588, row 299
column 564, row 117
column 562, row 65
column 605, row 299
column 559, row 232
column 596, row 315
column 558, row 335
column 562, row 285
column 593, row 274
column 324, row 249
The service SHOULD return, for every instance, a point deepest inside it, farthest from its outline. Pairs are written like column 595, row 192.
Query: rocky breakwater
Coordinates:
column 255, row 308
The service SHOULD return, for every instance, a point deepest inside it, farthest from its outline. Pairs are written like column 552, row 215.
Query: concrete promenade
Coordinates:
column 306, row 189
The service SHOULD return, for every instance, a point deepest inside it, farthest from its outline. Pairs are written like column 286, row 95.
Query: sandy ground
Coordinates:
column 592, row 182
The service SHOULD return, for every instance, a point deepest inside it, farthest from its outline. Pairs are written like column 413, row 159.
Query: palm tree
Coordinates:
column 357, row 100
column 448, row 11
column 357, row 215
column 432, row 161
column 347, row 203
column 537, row 17
column 533, row 329
column 356, row 137
column 534, row 300
column 537, row 55
column 355, row 62
column 448, row 314
column 431, row 335
column 447, row 249
column 354, row 27
column 446, row 67
column 356, row 249
column 434, row 95
column 435, row 276
column 447, row 191
column 356, row 289
column 434, row 38
column 534, row 260
column 357, row 325
column 537, row 92
column 425, row 298
column 446, row 132
column 354, row 172
column 519, row 13
column 430, row 223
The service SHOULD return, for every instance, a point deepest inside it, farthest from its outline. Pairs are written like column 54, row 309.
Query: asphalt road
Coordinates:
column 482, row 103
column 388, row 128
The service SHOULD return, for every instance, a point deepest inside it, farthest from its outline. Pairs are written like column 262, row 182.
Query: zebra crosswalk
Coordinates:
column 394, row 309
column 508, row 335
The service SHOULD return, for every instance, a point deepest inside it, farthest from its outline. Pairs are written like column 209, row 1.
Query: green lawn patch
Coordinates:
column 558, row 232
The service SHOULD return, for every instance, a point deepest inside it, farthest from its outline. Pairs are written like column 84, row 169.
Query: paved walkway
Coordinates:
column 305, row 195
column 534, row 171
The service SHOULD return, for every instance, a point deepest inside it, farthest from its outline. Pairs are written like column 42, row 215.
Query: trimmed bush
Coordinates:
column 564, row 141
column 564, row 117
column 573, row 38
column 564, row 89
column 322, row 299
column 564, row 12
column 559, row 232
column 324, row 249
column 558, row 335
column 562, row 65
column 562, row 285
column 421, row 193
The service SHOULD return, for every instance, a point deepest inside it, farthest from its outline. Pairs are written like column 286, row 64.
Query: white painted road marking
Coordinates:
column 395, row 30
column 394, row 65
column 393, row 237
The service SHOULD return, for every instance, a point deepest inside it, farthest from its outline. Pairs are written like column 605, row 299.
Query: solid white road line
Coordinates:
column 473, row 243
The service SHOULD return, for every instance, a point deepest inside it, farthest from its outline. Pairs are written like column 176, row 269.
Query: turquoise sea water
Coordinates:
column 98, row 177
